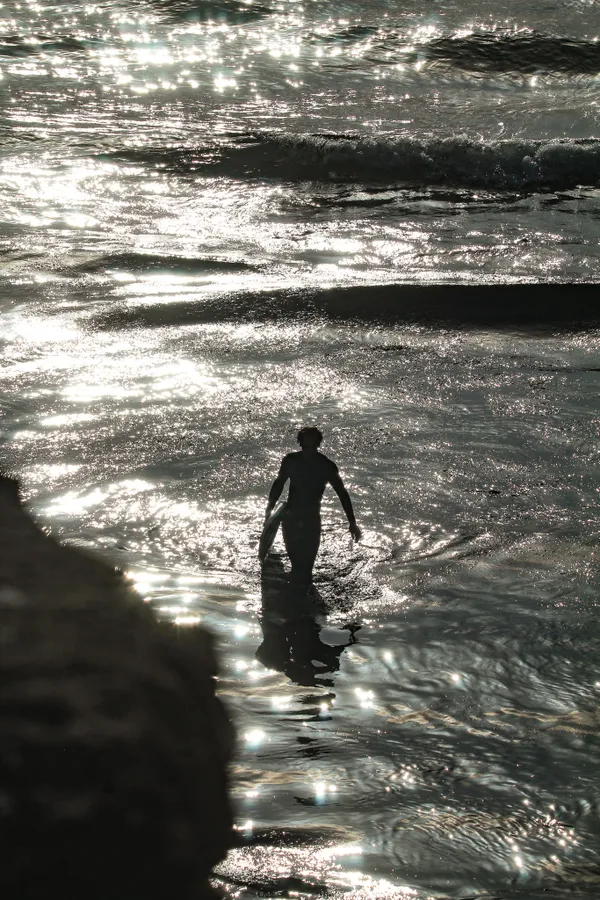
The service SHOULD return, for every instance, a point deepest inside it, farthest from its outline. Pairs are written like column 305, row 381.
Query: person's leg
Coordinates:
column 302, row 537
column 312, row 540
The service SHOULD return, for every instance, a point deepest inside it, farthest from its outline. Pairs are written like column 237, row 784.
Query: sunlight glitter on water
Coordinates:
column 164, row 177
column 255, row 738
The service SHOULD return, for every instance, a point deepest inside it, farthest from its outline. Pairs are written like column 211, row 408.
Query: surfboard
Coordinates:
column 270, row 530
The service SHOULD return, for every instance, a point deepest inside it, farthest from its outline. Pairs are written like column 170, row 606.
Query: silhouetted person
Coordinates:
column 309, row 472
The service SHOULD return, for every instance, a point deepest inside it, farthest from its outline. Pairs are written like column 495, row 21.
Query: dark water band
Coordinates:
column 536, row 305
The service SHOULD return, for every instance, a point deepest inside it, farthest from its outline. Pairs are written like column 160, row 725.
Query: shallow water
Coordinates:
column 446, row 744
column 213, row 222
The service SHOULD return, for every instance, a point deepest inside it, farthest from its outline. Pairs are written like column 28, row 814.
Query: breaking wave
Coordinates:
column 560, row 164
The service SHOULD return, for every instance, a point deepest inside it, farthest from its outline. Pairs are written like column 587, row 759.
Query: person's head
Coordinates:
column 310, row 438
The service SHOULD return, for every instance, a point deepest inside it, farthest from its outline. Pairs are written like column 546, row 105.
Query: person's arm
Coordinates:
column 338, row 485
column 277, row 487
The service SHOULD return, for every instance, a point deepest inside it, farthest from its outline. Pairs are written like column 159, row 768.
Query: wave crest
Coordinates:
column 519, row 53
column 14, row 45
column 524, row 54
column 454, row 161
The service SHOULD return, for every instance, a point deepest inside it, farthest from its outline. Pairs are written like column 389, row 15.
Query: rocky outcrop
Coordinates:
column 113, row 746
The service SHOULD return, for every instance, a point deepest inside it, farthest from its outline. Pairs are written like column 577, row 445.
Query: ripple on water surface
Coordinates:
column 203, row 208
column 427, row 724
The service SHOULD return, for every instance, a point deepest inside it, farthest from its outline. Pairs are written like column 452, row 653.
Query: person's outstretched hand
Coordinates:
column 355, row 532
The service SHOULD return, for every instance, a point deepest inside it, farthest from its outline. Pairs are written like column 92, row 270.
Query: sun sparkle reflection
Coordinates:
column 187, row 620
column 254, row 738
column 366, row 698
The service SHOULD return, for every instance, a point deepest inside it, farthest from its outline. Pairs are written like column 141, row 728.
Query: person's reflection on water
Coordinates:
column 309, row 472
column 291, row 620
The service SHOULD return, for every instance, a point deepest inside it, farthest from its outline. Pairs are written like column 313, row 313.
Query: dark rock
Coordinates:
column 113, row 746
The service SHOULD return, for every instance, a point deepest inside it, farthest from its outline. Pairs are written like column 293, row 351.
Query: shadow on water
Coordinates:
column 291, row 619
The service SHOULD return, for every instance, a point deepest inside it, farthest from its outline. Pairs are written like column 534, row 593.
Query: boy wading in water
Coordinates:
column 309, row 473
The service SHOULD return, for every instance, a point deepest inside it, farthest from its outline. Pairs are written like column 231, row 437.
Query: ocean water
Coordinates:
column 219, row 221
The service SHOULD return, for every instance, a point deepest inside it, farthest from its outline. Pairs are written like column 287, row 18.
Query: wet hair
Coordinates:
column 309, row 431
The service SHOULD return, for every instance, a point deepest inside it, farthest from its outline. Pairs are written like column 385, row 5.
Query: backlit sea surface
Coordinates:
column 210, row 215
